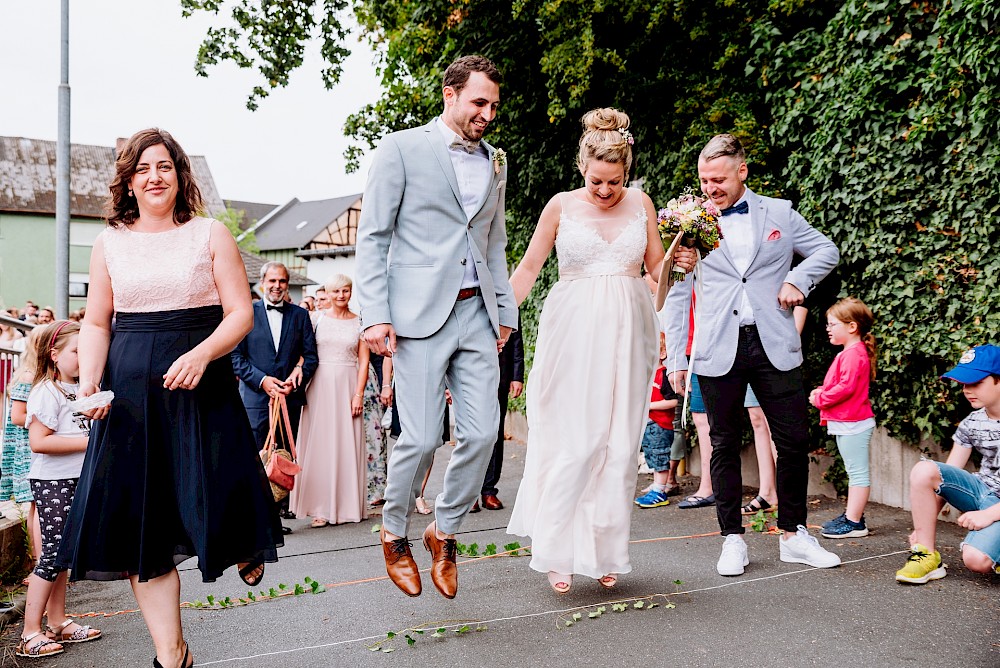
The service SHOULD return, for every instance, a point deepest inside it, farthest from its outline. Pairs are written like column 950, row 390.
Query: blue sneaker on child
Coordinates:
column 841, row 527
column 653, row 499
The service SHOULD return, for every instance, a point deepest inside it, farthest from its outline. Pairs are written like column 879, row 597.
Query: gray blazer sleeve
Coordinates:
column 821, row 255
column 676, row 321
column 383, row 195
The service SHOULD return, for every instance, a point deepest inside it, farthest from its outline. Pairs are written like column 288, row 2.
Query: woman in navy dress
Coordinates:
column 171, row 470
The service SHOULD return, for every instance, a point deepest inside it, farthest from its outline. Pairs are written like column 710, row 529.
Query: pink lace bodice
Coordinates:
column 337, row 340
column 598, row 242
column 161, row 271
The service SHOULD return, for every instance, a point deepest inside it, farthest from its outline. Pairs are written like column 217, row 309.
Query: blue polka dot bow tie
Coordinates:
column 742, row 207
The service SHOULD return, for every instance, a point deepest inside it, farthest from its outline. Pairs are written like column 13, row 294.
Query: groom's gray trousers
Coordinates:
column 461, row 356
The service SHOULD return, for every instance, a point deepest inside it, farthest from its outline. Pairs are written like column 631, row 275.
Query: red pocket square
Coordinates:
column 774, row 235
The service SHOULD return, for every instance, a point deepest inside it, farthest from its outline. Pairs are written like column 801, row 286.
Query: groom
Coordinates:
column 434, row 294
column 746, row 335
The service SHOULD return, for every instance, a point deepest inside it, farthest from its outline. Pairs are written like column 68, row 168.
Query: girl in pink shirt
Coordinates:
column 844, row 407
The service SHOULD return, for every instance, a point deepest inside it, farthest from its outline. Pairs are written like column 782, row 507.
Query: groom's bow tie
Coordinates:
column 466, row 145
column 280, row 308
column 742, row 207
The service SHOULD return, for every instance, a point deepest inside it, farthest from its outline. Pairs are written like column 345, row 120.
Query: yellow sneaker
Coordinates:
column 921, row 567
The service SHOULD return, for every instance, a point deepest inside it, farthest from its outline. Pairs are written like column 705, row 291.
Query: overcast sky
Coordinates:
column 132, row 67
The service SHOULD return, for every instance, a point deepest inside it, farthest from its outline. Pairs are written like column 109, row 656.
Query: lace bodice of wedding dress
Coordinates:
column 161, row 271
column 592, row 241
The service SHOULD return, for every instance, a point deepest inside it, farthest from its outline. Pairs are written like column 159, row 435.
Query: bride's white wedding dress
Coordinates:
column 588, row 393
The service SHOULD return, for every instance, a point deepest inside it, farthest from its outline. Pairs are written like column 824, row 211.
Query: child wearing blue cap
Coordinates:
column 975, row 495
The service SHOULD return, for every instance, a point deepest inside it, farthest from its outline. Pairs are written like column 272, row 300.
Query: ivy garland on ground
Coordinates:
column 873, row 117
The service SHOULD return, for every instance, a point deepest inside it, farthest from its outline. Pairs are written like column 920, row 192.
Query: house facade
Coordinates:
column 28, row 219
column 315, row 238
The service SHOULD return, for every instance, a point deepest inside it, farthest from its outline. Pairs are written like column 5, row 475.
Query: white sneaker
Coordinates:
column 802, row 548
column 734, row 556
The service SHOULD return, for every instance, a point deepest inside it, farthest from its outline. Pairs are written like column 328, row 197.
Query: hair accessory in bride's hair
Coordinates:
column 627, row 136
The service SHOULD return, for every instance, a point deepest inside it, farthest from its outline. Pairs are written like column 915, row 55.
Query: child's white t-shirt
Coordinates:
column 51, row 407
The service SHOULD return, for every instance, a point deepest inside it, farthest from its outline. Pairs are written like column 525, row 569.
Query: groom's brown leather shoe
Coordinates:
column 444, row 570
column 491, row 502
column 400, row 566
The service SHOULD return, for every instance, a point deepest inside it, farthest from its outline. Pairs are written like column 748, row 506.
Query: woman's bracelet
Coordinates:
column 384, row 385
column 359, row 396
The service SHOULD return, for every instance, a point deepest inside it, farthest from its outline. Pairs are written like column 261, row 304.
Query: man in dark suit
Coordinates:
column 511, row 385
column 278, row 357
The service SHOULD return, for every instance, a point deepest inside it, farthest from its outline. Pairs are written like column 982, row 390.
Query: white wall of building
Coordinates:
column 321, row 269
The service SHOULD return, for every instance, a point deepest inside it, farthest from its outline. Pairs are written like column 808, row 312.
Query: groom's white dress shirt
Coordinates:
column 737, row 230
column 473, row 173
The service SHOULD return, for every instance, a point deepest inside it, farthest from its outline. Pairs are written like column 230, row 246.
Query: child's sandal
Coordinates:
column 81, row 634
column 43, row 647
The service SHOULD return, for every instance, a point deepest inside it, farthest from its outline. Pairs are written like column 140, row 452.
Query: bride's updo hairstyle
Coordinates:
column 603, row 139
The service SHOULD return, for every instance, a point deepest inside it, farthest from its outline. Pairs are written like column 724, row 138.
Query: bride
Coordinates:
column 588, row 391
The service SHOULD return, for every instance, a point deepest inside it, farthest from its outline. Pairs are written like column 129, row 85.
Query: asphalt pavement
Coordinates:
column 505, row 614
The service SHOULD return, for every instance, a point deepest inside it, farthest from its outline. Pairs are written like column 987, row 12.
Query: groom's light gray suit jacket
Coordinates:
column 414, row 235
column 779, row 233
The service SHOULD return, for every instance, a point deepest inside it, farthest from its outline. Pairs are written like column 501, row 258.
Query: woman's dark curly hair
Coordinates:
column 122, row 207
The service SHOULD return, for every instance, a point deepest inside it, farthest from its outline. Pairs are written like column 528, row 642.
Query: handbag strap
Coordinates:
column 283, row 410
column 273, row 408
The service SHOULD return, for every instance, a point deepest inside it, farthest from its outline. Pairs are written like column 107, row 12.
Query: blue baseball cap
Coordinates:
column 975, row 364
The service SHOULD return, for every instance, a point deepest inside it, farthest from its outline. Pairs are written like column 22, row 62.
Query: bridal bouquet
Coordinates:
column 693, row 221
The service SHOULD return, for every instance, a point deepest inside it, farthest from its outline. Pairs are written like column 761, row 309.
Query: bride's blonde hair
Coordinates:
column 605, row 137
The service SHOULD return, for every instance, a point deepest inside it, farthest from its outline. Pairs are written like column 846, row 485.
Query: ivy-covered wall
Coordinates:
column 889, row 117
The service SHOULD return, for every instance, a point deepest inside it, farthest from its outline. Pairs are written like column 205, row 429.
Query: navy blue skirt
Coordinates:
column 169, row 474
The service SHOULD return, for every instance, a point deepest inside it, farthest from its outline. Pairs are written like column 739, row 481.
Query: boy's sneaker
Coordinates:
column 734, row 556
column 921, row 567
column 842, row 527
column 653, row 499
column 802, row 548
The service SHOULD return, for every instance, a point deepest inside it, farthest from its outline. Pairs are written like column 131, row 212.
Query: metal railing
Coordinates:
column 9, row 357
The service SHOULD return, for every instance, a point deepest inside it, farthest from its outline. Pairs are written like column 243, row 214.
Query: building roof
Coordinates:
column 28, row 178
column 253, row 212
column 296, row 223
column 253, row 263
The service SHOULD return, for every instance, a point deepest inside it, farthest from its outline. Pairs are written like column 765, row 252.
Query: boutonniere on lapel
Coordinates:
column 499, row 160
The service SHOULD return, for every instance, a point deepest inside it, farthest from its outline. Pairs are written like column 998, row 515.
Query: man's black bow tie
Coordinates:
column 280, row 308
column 742, row 207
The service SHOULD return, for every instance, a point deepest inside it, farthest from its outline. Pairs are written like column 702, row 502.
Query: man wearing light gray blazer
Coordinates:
column 745, row 334
column 433, row 289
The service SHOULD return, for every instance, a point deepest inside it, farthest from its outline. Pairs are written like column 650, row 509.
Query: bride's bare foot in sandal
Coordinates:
column 560, row 583
column 609, row 581
column 422, row 506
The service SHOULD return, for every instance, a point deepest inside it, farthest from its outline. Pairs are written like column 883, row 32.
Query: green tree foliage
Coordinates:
column 270, row 36
column 873, row 117
column 233, row 219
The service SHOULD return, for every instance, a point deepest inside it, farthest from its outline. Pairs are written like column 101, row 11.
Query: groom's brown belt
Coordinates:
column 468, row 293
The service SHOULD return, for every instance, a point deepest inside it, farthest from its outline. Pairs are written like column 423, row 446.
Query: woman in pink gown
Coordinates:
column 332, row 487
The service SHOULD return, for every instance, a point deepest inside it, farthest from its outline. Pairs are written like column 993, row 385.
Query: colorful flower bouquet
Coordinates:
column 694, row 222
